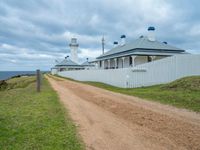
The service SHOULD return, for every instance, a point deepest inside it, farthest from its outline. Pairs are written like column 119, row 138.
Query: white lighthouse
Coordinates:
column 74, row 50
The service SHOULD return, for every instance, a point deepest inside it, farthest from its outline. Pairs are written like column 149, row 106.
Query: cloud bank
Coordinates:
column 35, row 33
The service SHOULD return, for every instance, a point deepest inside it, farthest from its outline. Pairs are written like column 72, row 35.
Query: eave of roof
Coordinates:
column 64, row 66
column 139, row 53
column 88, row 65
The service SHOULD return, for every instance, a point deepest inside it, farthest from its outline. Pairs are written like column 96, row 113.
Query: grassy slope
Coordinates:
column 183, row 93
column 19, row 82
column 30, row 120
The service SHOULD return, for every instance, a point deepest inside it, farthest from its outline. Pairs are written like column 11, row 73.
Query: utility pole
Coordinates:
column 103, row 43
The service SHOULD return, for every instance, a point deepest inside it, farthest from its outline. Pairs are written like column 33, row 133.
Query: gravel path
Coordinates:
column 112, row 121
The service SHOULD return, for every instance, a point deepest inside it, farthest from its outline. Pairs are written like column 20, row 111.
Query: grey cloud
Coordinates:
column 43, row 28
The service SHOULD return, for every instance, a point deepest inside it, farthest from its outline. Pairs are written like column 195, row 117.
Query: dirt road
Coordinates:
column 112, row 121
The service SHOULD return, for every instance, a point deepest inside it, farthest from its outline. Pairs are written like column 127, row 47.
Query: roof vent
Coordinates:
column 115, row 43
column 123, row 36
column 165, row 42
column 151, row 36
column 151, row 28
column 141, row 36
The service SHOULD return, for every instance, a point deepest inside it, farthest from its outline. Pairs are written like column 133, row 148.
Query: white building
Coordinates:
column 143, row 50
column 66, row 65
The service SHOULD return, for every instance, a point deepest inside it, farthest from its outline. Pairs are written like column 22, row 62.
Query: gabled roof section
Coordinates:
column 86, row 63
column 142, row 44
column 67, row 62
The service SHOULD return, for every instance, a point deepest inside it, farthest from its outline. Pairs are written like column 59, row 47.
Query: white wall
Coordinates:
column 54, row 71
column 109, row 76
column 156, row 72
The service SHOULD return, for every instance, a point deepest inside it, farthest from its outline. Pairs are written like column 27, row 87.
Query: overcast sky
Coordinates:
column 34, row 33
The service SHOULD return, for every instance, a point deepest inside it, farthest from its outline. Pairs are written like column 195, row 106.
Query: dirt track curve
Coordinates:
column 112, row 121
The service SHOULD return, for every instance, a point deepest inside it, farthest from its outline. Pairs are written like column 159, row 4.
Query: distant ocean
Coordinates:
column 8, row 74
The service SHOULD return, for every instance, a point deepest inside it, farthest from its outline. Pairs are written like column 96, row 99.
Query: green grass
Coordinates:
column 30, row 120
column 182, row 93
column 13, row 83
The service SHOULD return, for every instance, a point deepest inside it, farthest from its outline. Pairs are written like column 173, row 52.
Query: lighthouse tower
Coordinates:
column 74, row 50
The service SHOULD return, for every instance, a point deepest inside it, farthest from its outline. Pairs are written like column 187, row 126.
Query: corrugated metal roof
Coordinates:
column 142, row 44
column 86, row 64
column 67, row 62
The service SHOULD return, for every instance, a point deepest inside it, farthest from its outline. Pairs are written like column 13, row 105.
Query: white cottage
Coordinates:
column 66, row 65
column 143, row 50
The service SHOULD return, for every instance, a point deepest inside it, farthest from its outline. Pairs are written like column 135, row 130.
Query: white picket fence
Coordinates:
column 156, row 72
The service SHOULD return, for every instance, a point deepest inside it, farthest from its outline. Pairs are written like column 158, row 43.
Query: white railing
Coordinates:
column 156, row 72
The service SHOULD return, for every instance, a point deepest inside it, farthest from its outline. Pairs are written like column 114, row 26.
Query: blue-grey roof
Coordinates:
column 142, row 45
column 67, row 62
column 87, row 64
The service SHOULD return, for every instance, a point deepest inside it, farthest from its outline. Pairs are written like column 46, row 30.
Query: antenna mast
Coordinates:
column 103, row 43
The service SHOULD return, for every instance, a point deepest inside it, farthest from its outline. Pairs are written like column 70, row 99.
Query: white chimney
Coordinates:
column 115, row 43
column 151, row 35
column 74, row 50
column 123, row 40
